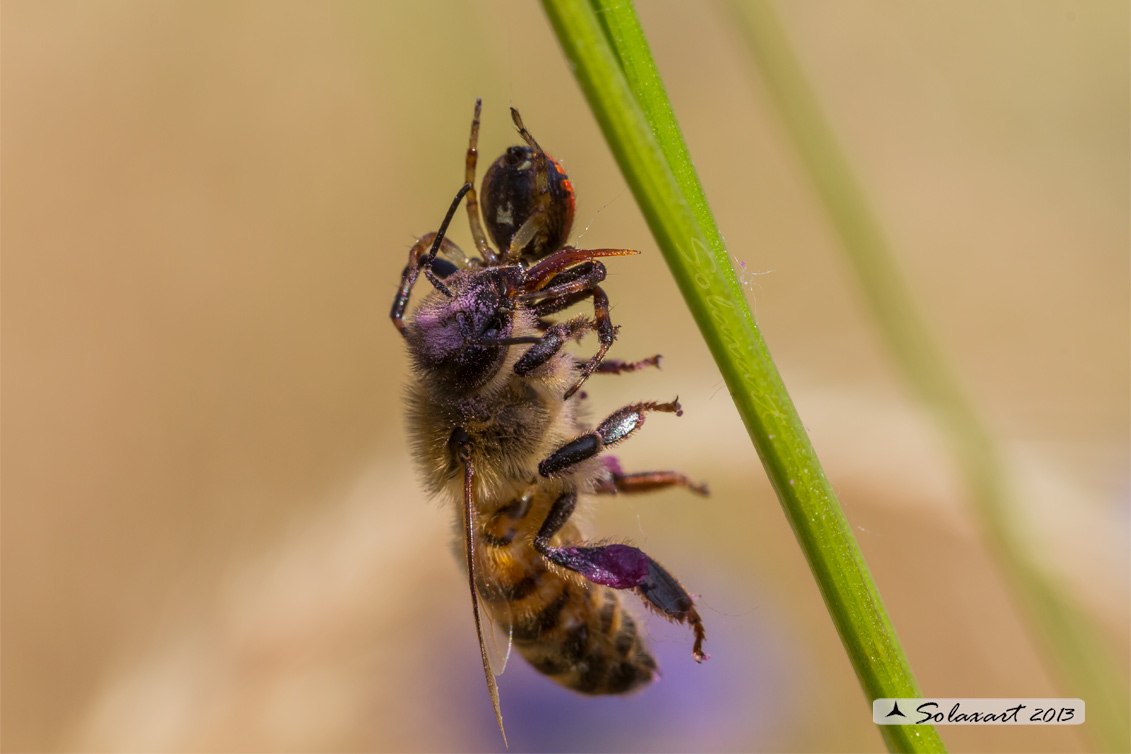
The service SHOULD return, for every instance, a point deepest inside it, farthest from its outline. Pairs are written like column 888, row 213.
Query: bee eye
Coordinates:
column 442, row 268
column 494, row 327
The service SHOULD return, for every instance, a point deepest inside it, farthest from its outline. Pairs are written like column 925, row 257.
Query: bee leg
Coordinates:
column 616, row 427
column 621, row 567
column 616, row 366
column 550, row 343
column 615, row 481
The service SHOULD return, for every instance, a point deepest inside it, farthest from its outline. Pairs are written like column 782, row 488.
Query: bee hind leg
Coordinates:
column 621, row 567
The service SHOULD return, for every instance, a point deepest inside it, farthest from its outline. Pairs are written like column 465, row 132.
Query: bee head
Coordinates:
column 461, row 341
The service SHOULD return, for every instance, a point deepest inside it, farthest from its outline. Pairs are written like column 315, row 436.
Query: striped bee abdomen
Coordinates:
column 574, row 631
column 580, row 635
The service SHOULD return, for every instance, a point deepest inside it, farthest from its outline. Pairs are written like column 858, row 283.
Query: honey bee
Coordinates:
column 495, row 422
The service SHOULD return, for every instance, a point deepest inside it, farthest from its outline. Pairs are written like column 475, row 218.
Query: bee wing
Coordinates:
column 494, row 615
column 470, row 551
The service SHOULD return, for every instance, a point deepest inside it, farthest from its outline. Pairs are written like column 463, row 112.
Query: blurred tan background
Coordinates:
column 212, row 536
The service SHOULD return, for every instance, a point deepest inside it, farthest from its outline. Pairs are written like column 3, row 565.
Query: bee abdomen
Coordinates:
column 584, row 639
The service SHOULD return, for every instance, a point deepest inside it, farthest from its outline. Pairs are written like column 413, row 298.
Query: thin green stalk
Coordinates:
column 604, row 43
column 1084, row 665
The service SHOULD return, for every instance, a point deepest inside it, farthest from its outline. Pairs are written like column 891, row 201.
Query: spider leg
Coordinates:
column 481, row 245
column 418, row 260
column 565, row 278
column 559, row 292
column 535, row 222
column 606, row 332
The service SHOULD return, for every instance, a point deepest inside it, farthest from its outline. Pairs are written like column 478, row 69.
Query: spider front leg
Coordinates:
column 535, row 224
column 621, row 567
column 606, row 335
column 419, row 260
column 564, row 278
column 567, row 289
column 481, row 245
column 606, row 332
column 564, row 290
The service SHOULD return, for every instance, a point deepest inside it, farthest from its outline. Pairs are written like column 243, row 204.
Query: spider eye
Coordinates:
column 515, row 156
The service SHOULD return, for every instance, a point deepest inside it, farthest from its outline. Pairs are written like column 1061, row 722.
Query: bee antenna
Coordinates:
column 427, row 264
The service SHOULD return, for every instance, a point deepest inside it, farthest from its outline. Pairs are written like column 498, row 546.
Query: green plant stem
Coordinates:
column 1065, row 633
column 604, row 43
